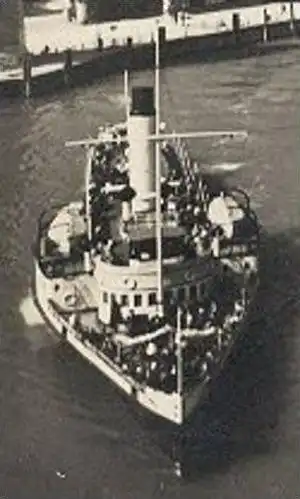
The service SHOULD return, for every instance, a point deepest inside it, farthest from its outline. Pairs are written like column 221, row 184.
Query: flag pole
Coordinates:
column 88, row 208
column 158, row 181
column 179, row 353
column 126, row 93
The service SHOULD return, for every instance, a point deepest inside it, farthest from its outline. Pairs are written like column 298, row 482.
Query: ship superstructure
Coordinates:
column 151, row 275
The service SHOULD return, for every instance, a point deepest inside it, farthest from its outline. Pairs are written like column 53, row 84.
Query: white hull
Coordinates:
column 172, row 407
column 167, row 406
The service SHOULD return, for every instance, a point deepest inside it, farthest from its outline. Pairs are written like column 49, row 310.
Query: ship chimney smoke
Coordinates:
column 141, row 124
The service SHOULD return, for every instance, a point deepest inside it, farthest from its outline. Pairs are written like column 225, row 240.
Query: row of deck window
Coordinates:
column 148, row 299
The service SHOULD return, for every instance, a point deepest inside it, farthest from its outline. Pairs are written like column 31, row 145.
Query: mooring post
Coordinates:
column 27, row 74
column 292, row 18
column 100, row 43
column 67, row 66
column 266, row 33
column 162, row 38
column 236, row 27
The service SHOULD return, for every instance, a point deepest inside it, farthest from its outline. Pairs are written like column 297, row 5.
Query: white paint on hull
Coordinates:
column 29, row 312
column 172, row 407
column 168, row 406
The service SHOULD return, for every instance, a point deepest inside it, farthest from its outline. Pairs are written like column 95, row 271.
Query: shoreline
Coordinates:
column 208, row 37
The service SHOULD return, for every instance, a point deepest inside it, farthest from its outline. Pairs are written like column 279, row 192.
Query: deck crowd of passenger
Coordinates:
column 154, row 362
column 185, row 200
column 184, row 196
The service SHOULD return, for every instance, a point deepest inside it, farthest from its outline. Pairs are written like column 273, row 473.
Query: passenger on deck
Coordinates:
column 130, row 322
column 107, row 250
column 201, row 240
column 171, row 309
column 190, row 249
column 215, row 243
column 125, row 316
column 200, row 312
column 116, row 316
column 166, row 192
column 153, row 375
column 151, row 349
column 157, row 321
column 139, row 373
column 213, row 310
column 239, row 308
column 189, row 318
column 171, row 207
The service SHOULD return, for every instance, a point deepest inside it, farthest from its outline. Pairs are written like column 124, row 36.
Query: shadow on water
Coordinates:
column 241, row 417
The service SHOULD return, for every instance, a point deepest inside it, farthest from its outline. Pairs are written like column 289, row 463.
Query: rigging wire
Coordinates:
column 167, row 92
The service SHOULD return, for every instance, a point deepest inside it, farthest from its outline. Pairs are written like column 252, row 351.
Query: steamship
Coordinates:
column 151, row 276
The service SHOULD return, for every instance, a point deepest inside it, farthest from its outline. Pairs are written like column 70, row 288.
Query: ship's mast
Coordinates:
column 179, row 352
column 126, row 93
column 88, row 203
column 158, row 181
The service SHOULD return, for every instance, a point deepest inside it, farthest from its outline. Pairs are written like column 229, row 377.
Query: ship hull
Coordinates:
column 177, row 410
column 169, row 407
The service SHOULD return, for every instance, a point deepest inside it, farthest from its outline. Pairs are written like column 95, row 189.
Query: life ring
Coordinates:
column 71, row 300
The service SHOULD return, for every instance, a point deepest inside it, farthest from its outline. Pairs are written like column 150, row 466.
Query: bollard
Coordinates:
column 266, row 32
column 292, row 18
column 99, row 43
column 27, row 74
column 162, row 35
column 67, row 66
column 129, row 41
column 236, row 26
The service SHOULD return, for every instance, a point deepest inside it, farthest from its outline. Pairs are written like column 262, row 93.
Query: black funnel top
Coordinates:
column 142, row 103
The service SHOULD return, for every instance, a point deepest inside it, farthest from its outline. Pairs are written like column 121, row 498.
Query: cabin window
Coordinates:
column 152, row 300
column 105, row 297
column 124, row 301
column 137, row 300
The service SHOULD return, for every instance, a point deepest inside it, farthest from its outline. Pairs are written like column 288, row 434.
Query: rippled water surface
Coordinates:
column 65, row 432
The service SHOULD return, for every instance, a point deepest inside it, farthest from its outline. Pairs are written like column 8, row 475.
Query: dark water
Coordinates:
column 65, row 431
